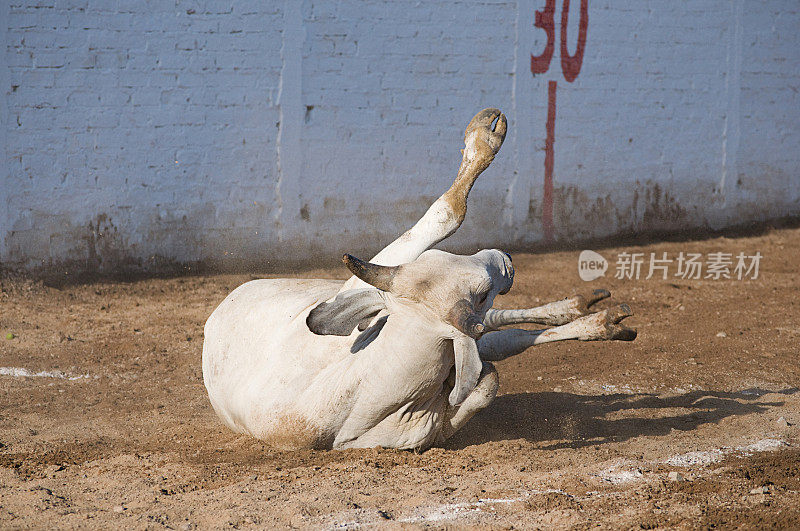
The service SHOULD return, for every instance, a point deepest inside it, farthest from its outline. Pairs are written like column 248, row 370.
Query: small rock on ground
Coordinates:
column 675, row 476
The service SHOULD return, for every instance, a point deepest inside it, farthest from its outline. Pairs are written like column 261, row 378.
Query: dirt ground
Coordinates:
column 104, row 420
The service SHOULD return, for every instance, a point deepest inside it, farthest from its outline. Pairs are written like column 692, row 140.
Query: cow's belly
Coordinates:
column 259, row 356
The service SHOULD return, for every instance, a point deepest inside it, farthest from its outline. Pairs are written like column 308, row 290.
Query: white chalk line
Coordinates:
column 618, row 477
column 21, row 372
column 452, row 511
column 708, row 457
column 449, row 511
column 627, row 471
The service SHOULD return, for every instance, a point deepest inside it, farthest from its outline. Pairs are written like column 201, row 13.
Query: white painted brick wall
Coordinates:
column 235, row 132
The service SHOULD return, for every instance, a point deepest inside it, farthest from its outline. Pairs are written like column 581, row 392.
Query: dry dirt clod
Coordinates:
column 765, row 489
column 782, row 422
column 722, row 334
column 675, row 476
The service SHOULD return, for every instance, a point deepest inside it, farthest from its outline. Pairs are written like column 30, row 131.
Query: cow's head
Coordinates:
column 449, row 293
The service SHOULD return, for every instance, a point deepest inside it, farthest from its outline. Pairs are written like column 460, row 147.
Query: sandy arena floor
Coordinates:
column 104, row 420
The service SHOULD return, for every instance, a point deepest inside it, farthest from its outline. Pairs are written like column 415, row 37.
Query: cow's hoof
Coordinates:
column 584, row 301
column 604, row 325
column 485, row 134
column 615, row 330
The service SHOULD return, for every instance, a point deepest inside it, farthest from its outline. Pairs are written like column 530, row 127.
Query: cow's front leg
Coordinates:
column 456, row 416
column 482, row 140
column 501, row 344
column 553, row 314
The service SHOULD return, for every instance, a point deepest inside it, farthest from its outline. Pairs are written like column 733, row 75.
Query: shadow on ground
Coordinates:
column 566, row 420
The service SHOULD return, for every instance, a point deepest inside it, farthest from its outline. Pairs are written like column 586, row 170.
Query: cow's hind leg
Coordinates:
column 553, row 314
column 482, row 140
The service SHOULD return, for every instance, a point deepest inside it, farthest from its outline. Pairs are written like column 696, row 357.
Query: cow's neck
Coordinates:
column 411, row 344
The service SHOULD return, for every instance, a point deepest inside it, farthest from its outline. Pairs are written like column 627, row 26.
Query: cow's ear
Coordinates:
column 340, row 316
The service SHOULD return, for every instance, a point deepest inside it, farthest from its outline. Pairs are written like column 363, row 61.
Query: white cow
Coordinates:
column 399, row 355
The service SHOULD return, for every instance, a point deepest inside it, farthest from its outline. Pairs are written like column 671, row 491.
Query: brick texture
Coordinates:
column 138, row 134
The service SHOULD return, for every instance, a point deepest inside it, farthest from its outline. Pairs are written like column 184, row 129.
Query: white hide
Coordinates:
column 268, row 375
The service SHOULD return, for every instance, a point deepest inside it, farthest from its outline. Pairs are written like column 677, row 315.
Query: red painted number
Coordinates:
column 545, row 19
column 570, row 67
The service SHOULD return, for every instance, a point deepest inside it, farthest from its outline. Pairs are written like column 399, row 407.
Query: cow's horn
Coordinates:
column 375, row 275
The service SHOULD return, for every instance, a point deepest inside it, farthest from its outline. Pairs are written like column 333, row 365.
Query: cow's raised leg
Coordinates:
column 553, row 314
column 482, row 140
column 501, row 344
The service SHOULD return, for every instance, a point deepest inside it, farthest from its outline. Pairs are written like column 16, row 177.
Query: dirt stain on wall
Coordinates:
column 103, row 242
column 661, row 209
column 648, row 207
